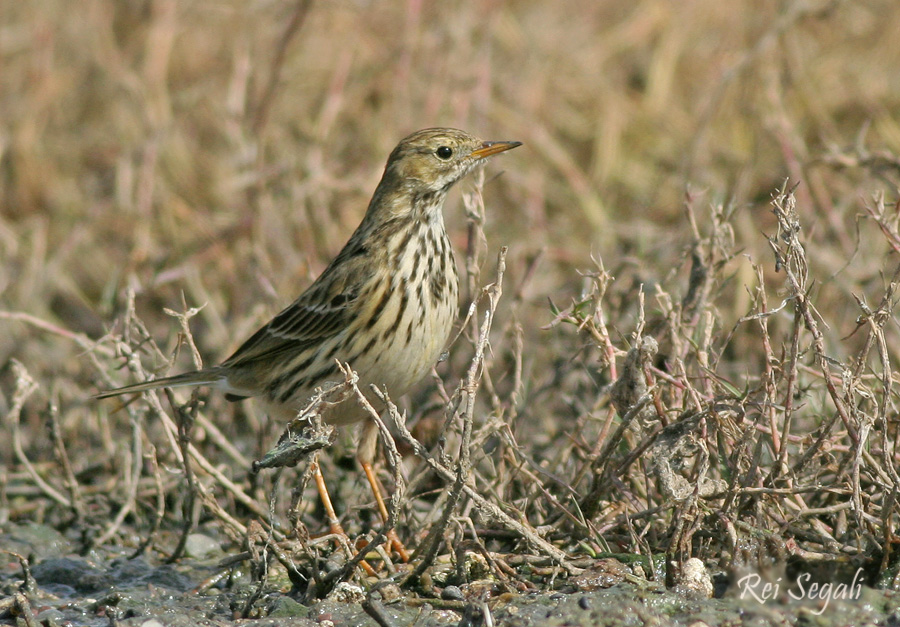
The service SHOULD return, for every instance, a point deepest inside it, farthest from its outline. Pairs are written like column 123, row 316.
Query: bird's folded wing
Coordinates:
column 321, row 312
column 303, row 324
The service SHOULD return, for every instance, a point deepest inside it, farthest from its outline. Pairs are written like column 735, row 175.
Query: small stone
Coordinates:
column 695, row 581
column 346, row 592
column 604, row 573
column 286, row 607
column 201, row 546
column 452, row 593
column 390, row 593
column 51, row 616
column 76, row 573
column 476, row 567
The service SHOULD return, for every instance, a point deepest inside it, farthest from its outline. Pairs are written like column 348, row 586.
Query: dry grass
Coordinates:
column 217, row 154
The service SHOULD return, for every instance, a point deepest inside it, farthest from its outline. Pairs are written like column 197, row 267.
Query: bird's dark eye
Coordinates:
column 444, row 152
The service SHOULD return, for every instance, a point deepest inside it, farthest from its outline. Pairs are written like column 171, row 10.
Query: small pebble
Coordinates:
column 390, row 593
column 201, row 546
column 452, row 593
column 346, row 592
column 695, row 582
column 584, row 603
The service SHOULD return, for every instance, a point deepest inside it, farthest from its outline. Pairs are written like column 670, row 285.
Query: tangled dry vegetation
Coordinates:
column 639, row 370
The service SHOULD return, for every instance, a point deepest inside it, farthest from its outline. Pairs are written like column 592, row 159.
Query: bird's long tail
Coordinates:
column 209, row 376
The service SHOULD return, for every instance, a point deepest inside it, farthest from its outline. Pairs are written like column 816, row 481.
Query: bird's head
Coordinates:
column 432, row 160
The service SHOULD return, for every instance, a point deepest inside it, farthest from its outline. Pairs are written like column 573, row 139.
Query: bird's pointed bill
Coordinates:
column 492, row 148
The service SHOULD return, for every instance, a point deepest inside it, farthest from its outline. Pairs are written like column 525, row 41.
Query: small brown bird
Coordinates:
column 386, row 304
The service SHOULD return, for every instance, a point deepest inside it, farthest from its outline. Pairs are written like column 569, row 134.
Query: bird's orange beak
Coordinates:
column 492, row 148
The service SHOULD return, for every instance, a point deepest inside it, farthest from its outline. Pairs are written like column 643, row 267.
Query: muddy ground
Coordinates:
column 107, row 587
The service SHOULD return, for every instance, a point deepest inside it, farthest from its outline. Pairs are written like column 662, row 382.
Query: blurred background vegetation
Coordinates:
column 185, row 146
